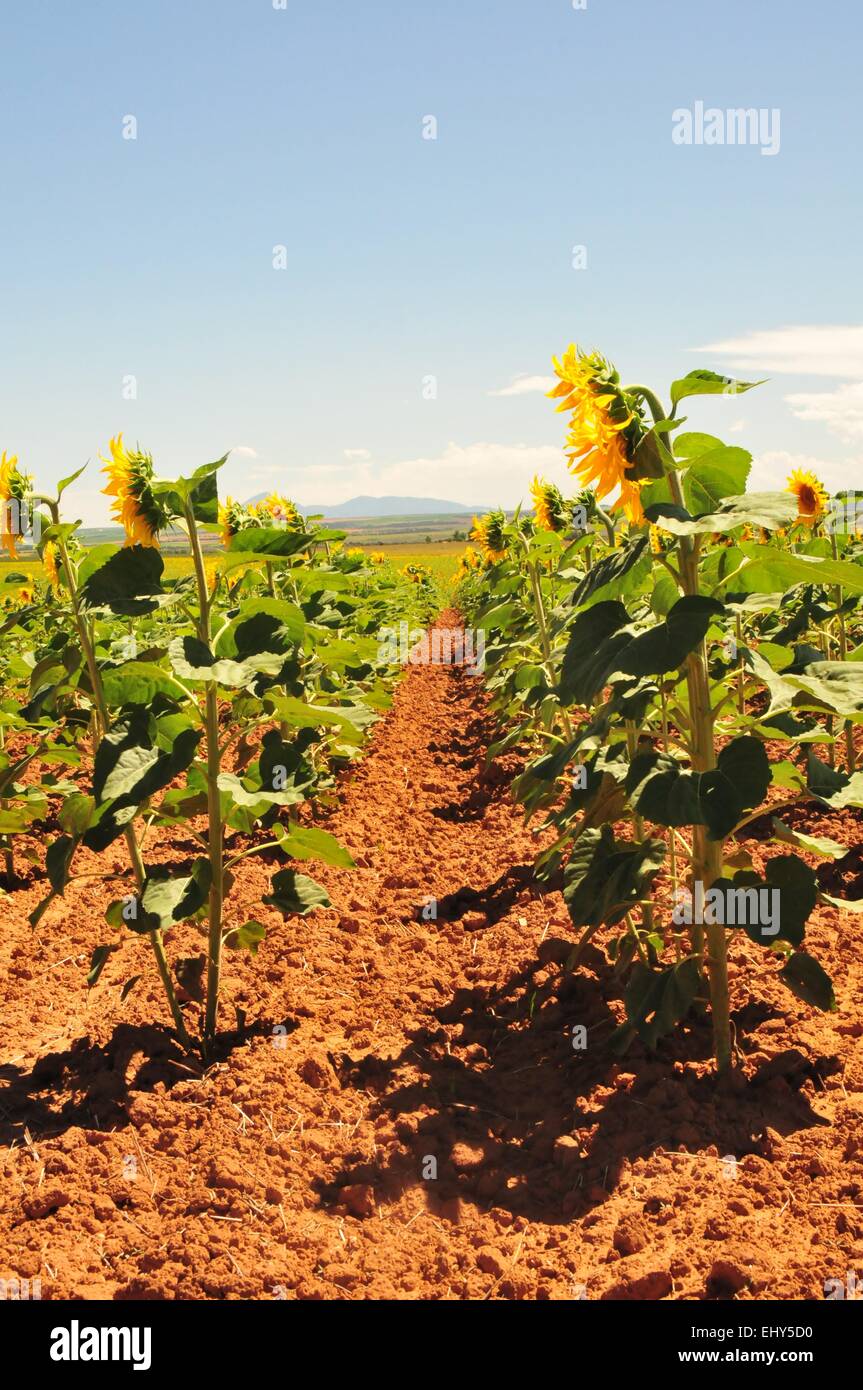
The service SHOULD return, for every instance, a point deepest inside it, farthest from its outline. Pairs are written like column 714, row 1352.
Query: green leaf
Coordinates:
column 136, row 683
column 601, row 645
column 691, row 445
column 201, row 489
column 796, row 888
column 262, row 625
column 193, row 661
column 809, row 981
column 295, row 893
column 76, row 813
column 248, row 937
column 666, row 646
column 309, row 842
column 744, row 762
column 168, row 898
column 830, row 786
column 612, row 570
column 58, row 861
column 130, row 767
column 813, row 844
column 267, row 540
column 604, row 878
column 715, row 475
column 770, row 510
column 783, row 569
column 595, row 637
column 704, row 383
column 65, row 482
column 125, row 580
column 657, row 1000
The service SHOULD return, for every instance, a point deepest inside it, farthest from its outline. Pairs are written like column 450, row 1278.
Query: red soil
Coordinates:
column 378, row 1045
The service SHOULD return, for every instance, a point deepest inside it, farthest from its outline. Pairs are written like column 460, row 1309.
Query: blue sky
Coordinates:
column 408, row 258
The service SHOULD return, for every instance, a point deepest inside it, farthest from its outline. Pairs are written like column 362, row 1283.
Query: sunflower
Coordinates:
column 489, row 535
column 282, row 510
column 548, row 505
column 140, row 513
column 378, row 557
column 49, row 562
column 604, row 428
column 655, row 539
column 812, row 496
column 14, row 487
column 234, row 518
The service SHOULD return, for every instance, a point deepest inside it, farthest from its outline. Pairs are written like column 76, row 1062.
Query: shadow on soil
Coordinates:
column 89, row 1085
column 513, row 1116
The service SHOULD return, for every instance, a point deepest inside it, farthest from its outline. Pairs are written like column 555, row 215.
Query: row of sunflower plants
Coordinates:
column 220, row 705
column 647, row 641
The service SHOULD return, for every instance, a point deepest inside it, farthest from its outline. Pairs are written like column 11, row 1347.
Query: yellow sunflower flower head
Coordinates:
column 812, row 496
column 283, row 511
column 49, row 563
column 234, row 518
column 141, row 514
column 14, row 486
column 548, row 505
column 378, row 557
column 604, row 429
column 488, row 532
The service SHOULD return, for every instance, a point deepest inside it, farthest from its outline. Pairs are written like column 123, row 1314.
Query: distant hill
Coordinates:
column 384, row 506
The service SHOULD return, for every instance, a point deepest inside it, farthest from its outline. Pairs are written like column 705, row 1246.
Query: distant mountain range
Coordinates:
column 384, row 506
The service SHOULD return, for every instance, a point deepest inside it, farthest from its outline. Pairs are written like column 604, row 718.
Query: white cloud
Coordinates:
column 244, row 451
column 840, row 410
column 523, row 385
column 737, row 427
column 357, row 453
column 803, row 349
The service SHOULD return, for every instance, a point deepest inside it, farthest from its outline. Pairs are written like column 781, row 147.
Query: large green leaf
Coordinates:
column 602, row 644
column 715, row 475
column 605, row 877
column 200, row 488
column 136, row 683
column 595, row 637
column 310, row 842
column 168, row 898
column 704, row 383
column 130, row 767
column 666, row 646
column 295, row 893
column 193, row 661
column 629, row 563
column 664, row 792
column 783, row 569
column 770, row 510
column 793, row 892
column 830, row 786
column 267, row 540
column 262, row 625
column 125, row 580
column 657, row 1000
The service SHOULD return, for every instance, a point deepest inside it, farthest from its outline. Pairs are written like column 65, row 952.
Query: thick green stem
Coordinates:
column 843, row 652
column 214, row 805
column 706, row 853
